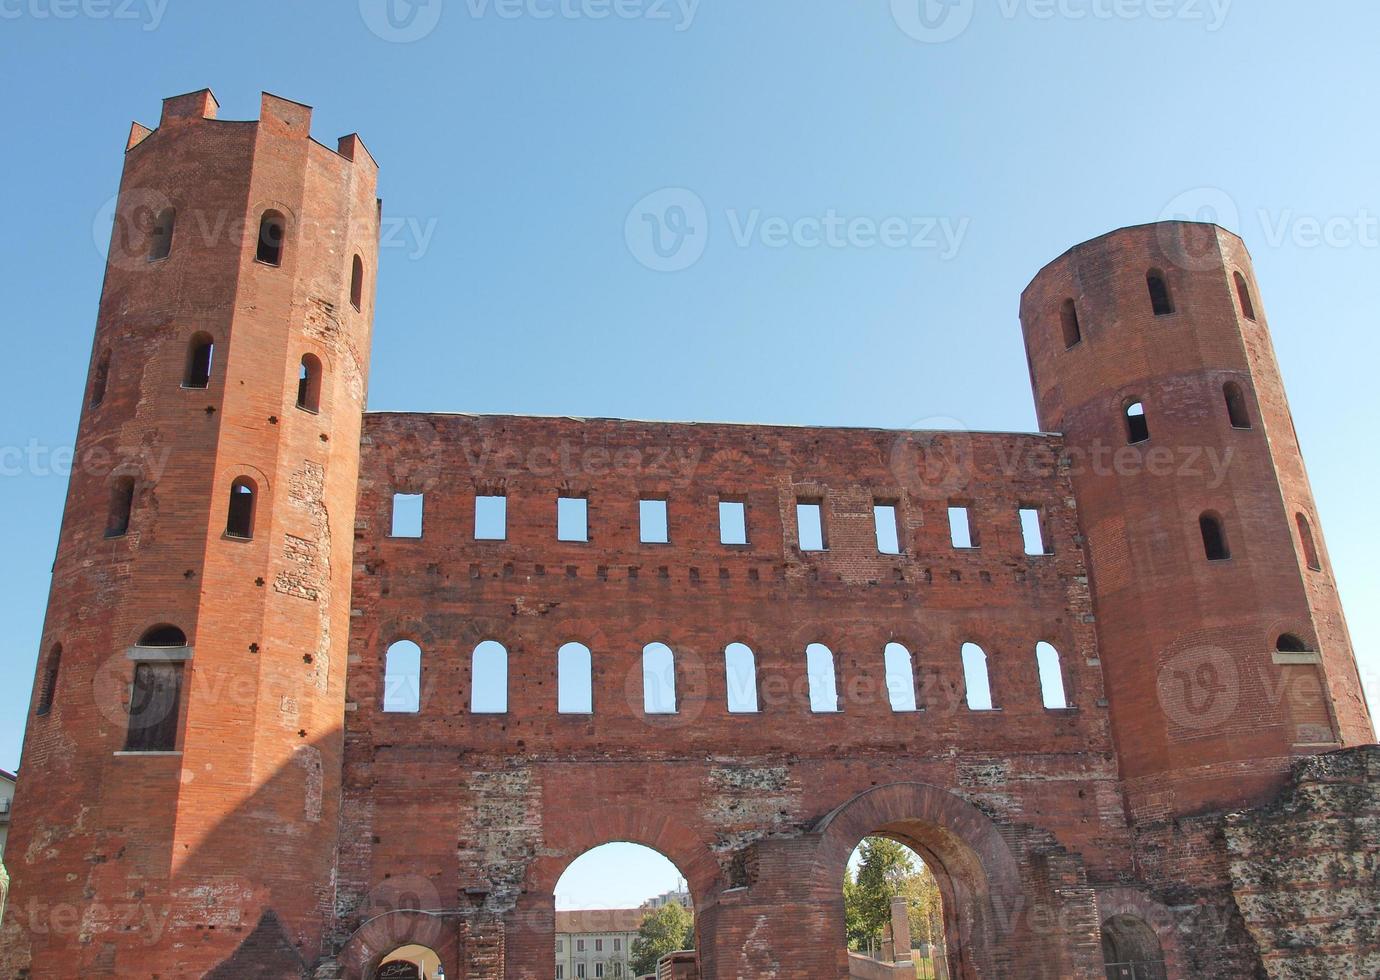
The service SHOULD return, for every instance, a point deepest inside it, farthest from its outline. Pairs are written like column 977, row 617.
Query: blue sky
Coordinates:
column 520, row 151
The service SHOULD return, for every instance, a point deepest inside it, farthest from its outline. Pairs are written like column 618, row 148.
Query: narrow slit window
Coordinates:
column 1033, row 531
column 1073, row 333
column 100, row 378
column 239, row 521
column 490, row 517
column 732, row 522
column 309, row 383
column 1214, row 537
column 489, row 679
column 809, row 519
column 1051, row 676
column 575, row 680
column 272, row 233
column 572, row 519
column 887, row 527
column 51, row 668
column 121, row 505
column 824, row 691
column 201, row 351
column 1137, row 424
column 357, row 282
column 652, row 521
column 402, row 679
column 407, row 515
column 1237, row 412
column 1161, row 301
column 1243, row 296
column 962, row 535
column 160, row 240
column 153, row 707
column 900, row 677
column 740, row 676
column 658, row 679
column 978, row 687
column 1310, row 548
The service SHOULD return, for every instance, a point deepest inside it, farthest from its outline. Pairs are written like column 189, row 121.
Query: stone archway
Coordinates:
column 1131, row 950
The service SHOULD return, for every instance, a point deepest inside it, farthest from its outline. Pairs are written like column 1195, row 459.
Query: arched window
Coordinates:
column 309, row 383
column 1069, row 315
column 1137, row 425
column 1160, row 299
column 160, row 241
column 658, row 679
column 900, row 678
column 1131, row 949
column 1051, row 676
column 163, row 635
column 239, row 520
column 575, row 680
column 1236, row 405
column 357, row 282
column 121, row 503
column 489, row 679
column 824, row 691
column 48, row 693
column 402, row 678
column 1290, row 643
column 100, row 377
column 272, row 233
column 740, row 677
column 1214, row 537
column 1310, row 549
column 975, row 680
column 201, row 350
column 1243, row 295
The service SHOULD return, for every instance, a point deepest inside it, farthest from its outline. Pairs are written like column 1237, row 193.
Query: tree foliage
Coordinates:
column 887, row 870
column 663, row 931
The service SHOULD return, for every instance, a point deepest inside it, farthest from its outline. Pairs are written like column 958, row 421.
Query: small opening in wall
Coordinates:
column 1073, row 333
column 407, row 515
column 900, row 677
column 1137, row 424
column 160, row 240
column 272, row 232
column 153, row 707
column 977, row 685
column 309, row 383
column 732, row 522
column 652, row 521
column 572, row 519
column 1161, row 301
column 200, row 353
column 402, row 678
column 163, row 635
column 809, row 520
column 1243, row 296
column 658, row 679
column 51, row 667
column 1237, row 412
column 1033, row 531
column 1310, row 548
column 740, row 678
column 823, row 678
column 575, row 680
column 490, row 517
column 1214, row 537
column 962, row 535
column 357, row 282
column 887, row 528
column 121, row 504
column 239, row 521
column 100, row 378
column 1051, row 671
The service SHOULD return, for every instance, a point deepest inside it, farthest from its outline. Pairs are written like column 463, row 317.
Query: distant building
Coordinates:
column 6, row 796
column 680, row 896
column 596, row 943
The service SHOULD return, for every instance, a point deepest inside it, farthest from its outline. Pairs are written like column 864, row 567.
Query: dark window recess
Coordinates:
column 121, row 504
column 309, row 383
column 153, row 706
column 1310, row 548
column 272, row 232
column 239, row 522
column 1214, row 538
column 163, row 635
column 160, row 241
column 1137, row 426
column 1073, row 333
column 1243, row 295
column 357, row 282
column 200, row 353
column 1160, row 299
column 1236, row 405
column 50, row 679
column 1289, row 643
column 99, row 378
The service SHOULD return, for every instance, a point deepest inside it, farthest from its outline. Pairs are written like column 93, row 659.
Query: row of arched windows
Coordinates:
column 1161, row 304
column 197, row 368
column 1137, row 424
column 575, row 678
column 239, row 517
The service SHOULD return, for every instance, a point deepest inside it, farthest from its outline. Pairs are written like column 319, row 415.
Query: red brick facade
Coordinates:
column 297, row 829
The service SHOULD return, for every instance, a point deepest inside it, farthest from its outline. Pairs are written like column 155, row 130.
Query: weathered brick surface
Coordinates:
column 303, row 831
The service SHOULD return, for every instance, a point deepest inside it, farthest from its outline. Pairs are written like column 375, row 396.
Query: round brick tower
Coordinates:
column 180, row 778
column 1222, row 639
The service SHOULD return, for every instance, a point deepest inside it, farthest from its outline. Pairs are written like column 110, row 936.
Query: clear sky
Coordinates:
column 520, row 141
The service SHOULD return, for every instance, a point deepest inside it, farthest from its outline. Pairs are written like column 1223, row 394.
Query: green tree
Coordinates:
column 887, row 870
column 663, row 931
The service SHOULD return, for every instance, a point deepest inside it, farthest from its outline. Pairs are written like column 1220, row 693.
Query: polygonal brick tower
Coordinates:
column 1222, row 639
column 182, row 757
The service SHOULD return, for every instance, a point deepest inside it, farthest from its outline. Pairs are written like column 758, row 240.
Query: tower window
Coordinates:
column 160, row 241
column 1137, row 425
column 100, row 378
column 1310, row 548
column 1236, row 405
column 200, row 353
column 357, row 282
column 48, row 693
column 977, row 686
column 272, row 232
column 163, row 635
column 121, row 503
column 1160, row 299
column 153, row 707
column 402, row 678
column 239, row 520
column 309, row 383
column 1243, row 296
column 1290, row 643
column 1072, row 332
column 1214, row 538
column 1051, row 676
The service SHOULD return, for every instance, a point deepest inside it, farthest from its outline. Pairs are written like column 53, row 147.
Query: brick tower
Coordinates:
column 1222, row 638
column 182, row 757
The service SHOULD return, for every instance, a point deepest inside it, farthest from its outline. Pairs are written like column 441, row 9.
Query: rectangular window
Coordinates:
column 572, row 519
column 490, row 518
column 579, row 945
column 560, row 971
column 652, row 513
column 153, row 707
column 732, row 522
column 617, row 945
column 598, row 969
column 809, row 521
column 598, row 945
column 1032, row 529
column 407, row 515
column 560, row 946
column 961, row 528
column 579, row 969
column 888, row 533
